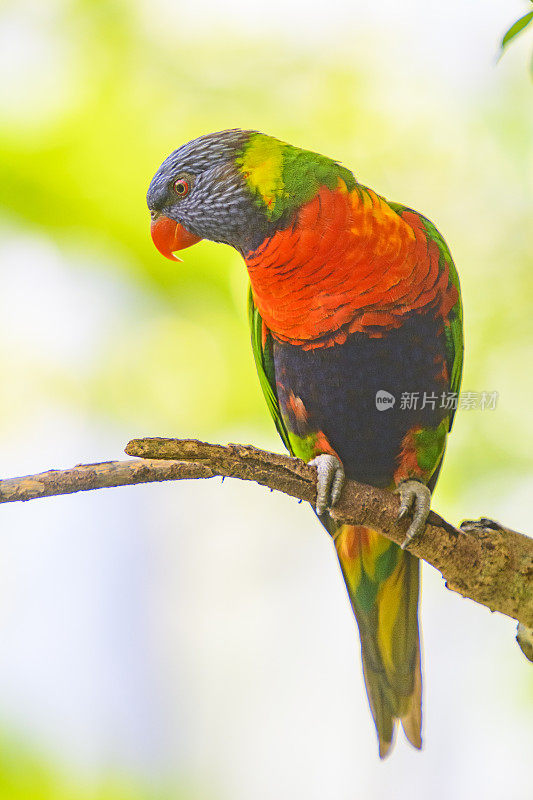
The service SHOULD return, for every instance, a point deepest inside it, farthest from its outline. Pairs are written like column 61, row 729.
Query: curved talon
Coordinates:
column 329, row 481
column 414, row 495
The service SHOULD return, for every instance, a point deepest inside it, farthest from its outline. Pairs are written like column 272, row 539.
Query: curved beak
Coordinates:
column 169, row 236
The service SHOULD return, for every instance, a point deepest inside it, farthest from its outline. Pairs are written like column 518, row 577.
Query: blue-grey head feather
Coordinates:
column 219, row 205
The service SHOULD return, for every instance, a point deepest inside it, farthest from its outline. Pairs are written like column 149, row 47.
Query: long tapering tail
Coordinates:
column 383, row 584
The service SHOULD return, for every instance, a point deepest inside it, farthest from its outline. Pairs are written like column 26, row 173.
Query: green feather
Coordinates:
column 283, row 178
column 264, row 363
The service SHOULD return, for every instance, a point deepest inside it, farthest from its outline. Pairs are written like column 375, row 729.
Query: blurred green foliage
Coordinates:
column 26, row 775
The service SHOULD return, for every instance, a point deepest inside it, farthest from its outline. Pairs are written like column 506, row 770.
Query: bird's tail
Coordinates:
column 382, row 582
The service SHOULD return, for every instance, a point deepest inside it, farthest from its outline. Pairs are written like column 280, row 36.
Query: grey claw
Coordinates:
column 330, row 480
column 416, row 496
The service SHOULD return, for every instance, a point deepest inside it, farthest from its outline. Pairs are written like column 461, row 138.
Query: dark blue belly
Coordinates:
column 338, row 386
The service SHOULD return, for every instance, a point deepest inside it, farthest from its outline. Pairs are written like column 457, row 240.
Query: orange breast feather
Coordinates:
column 347, row 263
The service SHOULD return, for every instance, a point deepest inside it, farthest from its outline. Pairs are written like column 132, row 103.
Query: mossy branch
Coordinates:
column 482, row 560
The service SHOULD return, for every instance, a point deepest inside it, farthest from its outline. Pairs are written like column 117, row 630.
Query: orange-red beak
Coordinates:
column 169, row 236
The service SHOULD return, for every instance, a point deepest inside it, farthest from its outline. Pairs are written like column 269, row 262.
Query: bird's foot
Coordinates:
column 414, row 496
column 329, row 481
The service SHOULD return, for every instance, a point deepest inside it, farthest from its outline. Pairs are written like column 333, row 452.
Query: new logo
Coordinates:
column 384, row 400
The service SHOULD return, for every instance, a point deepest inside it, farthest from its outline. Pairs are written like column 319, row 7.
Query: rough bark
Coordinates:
column 482, row 560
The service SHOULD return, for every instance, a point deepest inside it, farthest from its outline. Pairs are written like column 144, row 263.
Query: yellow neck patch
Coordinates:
column 261, row 164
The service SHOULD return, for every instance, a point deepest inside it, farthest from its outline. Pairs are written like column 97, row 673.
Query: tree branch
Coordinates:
column 482, row 560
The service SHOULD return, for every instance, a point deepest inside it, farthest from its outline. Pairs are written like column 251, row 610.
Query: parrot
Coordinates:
column 356, row 326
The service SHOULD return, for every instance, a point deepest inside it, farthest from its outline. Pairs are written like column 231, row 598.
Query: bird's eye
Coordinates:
column 181, row 187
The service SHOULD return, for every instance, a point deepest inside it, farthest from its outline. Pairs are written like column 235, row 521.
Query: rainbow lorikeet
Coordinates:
column 356, row 323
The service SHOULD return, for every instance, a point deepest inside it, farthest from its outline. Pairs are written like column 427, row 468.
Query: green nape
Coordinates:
column 283, row 178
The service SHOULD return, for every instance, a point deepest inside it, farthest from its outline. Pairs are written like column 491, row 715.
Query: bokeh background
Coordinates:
column 195, row 641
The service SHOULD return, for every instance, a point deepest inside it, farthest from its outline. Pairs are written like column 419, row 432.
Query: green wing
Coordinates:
column 264, row 362
column 454, row 322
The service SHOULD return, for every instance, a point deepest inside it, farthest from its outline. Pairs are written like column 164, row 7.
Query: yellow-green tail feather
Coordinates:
column 383, row 585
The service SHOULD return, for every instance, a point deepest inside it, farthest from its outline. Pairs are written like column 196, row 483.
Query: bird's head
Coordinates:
column 236, row 187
